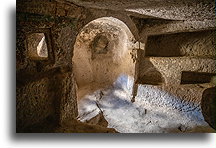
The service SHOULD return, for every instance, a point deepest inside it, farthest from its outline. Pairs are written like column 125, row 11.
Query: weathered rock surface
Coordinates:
column 103, row 39
column 208, row 105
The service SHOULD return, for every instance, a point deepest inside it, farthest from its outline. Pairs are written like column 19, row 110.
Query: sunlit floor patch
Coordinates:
column 153, row 112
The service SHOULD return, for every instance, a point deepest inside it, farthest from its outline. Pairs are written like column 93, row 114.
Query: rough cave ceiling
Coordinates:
column 166, row 9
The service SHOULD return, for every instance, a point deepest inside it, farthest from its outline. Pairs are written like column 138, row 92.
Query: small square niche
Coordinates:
column 37, row 46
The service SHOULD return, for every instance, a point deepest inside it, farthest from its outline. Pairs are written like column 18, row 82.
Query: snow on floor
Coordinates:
column 154, row 111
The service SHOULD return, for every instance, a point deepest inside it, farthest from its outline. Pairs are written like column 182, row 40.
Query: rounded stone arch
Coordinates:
column 96, row 14
column 102, row 52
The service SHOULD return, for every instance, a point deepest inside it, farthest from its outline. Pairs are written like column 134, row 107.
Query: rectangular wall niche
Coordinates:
column 37, row 46
column 190, row 77
column 189, row 44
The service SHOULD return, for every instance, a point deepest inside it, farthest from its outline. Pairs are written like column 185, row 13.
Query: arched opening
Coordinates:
column 102, row 53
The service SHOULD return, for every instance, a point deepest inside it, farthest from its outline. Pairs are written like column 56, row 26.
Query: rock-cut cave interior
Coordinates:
column 107, row 66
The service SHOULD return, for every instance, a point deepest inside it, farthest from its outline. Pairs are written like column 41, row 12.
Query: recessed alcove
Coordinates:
column 37, row 46
column 192, row 77
column 99, row 44
column 189, row 44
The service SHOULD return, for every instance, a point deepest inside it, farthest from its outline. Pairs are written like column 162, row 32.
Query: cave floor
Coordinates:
column 111, row 107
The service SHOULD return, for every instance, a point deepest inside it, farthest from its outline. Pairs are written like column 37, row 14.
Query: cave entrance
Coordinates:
column 102, row 53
